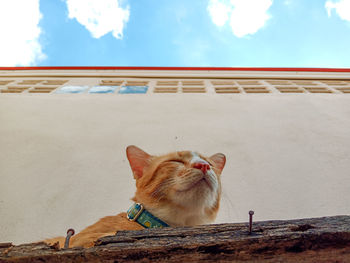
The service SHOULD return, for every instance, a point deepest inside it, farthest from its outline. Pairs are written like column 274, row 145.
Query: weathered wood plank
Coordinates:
column 306, row 240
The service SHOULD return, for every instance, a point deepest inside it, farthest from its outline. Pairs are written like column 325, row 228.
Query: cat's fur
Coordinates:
column 174, row 187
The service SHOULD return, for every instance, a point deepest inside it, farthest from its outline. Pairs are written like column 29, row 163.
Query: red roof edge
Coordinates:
column 182, row 68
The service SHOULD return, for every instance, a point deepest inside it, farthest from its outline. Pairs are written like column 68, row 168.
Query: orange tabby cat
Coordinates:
column 179, row 188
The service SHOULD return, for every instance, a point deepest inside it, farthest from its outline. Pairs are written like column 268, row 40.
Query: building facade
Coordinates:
column 63, row 134
column 148, row 80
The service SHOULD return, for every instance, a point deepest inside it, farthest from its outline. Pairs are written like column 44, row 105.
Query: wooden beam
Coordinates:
column 324, row 239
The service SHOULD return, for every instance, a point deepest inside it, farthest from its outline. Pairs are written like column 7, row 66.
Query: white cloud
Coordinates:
column 219, row 11
column 245, row 17
column 99, row 16
column 20, row 31
column 341, row 7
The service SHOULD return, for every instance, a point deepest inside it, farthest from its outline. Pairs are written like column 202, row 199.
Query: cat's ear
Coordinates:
column 219, row 160
column 138, row 160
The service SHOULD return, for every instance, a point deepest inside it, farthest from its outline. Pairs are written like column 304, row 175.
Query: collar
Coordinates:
column 139, row 214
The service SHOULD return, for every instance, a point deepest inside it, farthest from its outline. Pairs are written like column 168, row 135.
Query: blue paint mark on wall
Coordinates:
column 103, row 89
column 72, row 89
column 133, row 89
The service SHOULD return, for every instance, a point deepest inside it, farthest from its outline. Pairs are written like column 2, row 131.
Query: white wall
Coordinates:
column 63, row 164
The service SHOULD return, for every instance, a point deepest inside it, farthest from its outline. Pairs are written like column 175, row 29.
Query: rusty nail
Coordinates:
column 251, row 213
column 70, row 233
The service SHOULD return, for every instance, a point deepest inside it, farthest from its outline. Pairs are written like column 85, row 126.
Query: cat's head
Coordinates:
column 182, row 188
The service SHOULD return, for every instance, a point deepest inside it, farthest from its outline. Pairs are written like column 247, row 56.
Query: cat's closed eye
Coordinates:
column 177, row 161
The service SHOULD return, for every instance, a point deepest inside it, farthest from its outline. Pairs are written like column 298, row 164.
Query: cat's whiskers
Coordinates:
column 193, row 175
column 211, row 176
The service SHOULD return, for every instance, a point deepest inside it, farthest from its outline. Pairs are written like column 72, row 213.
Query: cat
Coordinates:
column 180, row 189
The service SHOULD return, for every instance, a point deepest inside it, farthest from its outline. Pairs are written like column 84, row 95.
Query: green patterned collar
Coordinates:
column 140, row 215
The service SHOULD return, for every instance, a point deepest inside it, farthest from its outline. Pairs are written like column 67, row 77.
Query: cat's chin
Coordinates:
column 201, row 182
column 199, row 195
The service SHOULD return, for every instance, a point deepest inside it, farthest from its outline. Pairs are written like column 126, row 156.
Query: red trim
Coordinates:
column 183, row 68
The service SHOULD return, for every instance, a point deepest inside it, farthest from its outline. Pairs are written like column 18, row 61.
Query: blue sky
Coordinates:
column 231, row 33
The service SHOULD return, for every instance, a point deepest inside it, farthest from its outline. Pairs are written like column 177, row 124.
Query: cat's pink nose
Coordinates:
column 201, row 165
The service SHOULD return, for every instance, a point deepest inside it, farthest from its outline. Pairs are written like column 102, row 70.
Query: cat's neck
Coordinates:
column 180, row 216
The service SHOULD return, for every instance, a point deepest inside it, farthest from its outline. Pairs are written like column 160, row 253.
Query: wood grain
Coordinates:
column 324, row 239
